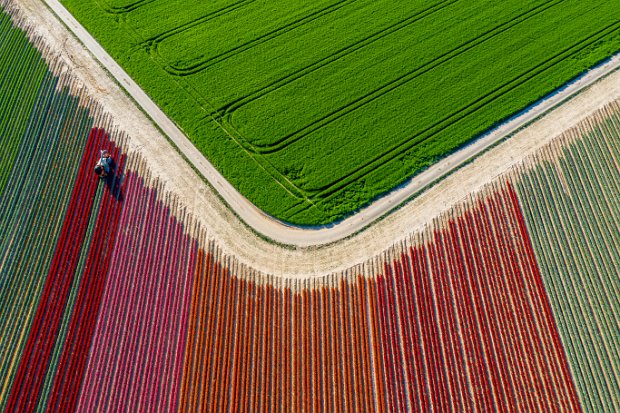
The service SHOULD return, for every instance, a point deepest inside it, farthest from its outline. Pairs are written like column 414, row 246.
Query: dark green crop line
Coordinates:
column 465, row 112
column 573, row 215
column 393, row 85
column 152, row 42
column 69, row 307
column 231, row 107
column 21, row 76
column 127, row 8
column 200, row 66
column 42, row 136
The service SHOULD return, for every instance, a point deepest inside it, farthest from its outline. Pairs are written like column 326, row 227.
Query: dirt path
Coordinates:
column 307, row 259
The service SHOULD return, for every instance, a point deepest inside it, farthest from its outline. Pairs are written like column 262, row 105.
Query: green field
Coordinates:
column 313, row 109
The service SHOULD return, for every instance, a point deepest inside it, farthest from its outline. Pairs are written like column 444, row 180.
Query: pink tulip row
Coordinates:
column 72, row 244
column 139, row 341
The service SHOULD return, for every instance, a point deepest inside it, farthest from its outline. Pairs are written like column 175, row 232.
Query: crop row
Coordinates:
column 570, row 201
column 112, row 298
column 97, row 261
column 37, row 353
column 460, row 321
column 43, row 132
column 140, row 330
column 161, row 320
column 132, row 309
column 23, row 75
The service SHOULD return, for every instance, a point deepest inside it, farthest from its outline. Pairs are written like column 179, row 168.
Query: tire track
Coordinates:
column 284, row 233
column 231, row 107
column 152, row 43
column 373, row 95
column 321, row 194
column 111, row 9
column 197, row 67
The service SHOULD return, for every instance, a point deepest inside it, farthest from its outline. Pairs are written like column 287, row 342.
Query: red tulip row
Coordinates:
column 459, row 322
column 75, row 349
column 35, row 359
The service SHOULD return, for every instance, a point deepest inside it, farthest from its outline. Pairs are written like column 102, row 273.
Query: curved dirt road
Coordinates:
column 303, row 237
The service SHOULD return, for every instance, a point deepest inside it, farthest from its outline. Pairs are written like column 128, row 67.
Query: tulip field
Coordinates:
column 571, row 201
column 434, row 322
column 113, row 297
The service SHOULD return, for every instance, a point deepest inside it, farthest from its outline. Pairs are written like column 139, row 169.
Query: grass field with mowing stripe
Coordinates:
column 312, row 110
